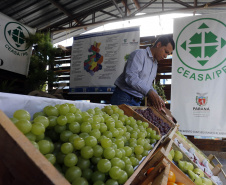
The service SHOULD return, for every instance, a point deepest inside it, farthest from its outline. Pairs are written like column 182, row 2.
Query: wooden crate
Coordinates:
column 216, row 169
column 186, row 158
column 20, row 162
column 162, row 165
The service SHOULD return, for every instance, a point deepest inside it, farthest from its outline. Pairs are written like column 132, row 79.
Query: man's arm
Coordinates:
column 155, row 100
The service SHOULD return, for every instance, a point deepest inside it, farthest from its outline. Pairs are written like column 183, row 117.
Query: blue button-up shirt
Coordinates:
column 139, row 72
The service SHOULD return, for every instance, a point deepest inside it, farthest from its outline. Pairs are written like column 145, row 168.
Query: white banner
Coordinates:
column 198, row 99
column 14, row 54
column 99, row 58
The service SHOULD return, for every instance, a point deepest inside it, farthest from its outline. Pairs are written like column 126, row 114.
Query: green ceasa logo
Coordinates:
column 15, row 35
column 201, row 48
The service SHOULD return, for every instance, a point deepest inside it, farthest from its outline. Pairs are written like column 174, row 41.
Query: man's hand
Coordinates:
column 155, row 100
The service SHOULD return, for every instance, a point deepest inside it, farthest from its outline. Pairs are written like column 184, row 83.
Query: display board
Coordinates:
column 99, row 58
column 198, row 98
column 14, row 53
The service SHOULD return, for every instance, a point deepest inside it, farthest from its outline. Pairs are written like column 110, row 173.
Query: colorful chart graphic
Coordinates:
column 93, row 63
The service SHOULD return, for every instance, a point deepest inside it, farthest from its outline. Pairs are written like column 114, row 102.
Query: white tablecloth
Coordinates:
column 9, row 103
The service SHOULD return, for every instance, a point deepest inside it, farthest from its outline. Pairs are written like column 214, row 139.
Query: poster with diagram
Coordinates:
column 98, row 59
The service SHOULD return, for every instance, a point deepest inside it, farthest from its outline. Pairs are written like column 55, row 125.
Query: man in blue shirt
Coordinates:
column 140, row 70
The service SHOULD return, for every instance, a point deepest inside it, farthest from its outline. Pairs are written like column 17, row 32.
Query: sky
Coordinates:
column 159, row 25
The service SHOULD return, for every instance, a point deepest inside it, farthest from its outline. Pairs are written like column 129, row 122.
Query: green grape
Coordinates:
column 96, row 118
column 83, row 135
column 134, row 161
column 60, row 128
column 115, row 172
column 24, row 126
column 111, row 181
column 38, row 114
column 128, row 151
column 87, row 173
column 72, row 138
column 115, row 116
column 90, row 141
column 122, row 118
column 80, row 181
column 123, row 177
column 123, row 152
column 118, row 124
column 157, row 137
column 139, row 157
column 118, row 153
column 108, row 134
column 127, row 135
column 132, row 144
column 70, row 160
column 106, row 142
column 83, row 163
column 51, row 158
column 141, row 141
column 51, row 111
column 52, row 121
column 152, row 141
column 78, row 118
column 40, row 137
column 129, row 128
column 96, row 133
column 121, row 131
column 147, row 146
column 119, row 143
column 70, row 117
column 95, row 160
column 31, row 136
column 37, row 128
column 110, row 123
column 62, row 120
column 22, row 115
column 87, row 118
column 104, row 165
column 44, row 146
column 97, row 151
column 65, row 135
column 127, row 160
column 98, row 176
column 113, row 145
column 35, row 144
column 103, row 127
column 87, row 152
column 42, row 119
column 109, row 153
column 115, row 132
column 64, row 109
column 86, row 127
column 72, row 108
column 145, row 124
column 66, row 148
column 129, row 169
column 141, row 135
column 145, row 153
column 138, row 149
column 134, row 134
column 79, row 143
column 73, row 173
column 95, row 125
column 74, row 127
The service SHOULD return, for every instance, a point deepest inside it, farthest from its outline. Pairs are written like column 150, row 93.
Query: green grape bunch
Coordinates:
column 97, row 146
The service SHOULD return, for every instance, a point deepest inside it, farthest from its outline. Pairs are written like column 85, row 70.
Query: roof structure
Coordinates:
column 68, row 18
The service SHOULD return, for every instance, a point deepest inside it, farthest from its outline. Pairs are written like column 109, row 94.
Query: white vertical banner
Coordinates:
column 99, row 58
column 198, row 98
column 14, row 54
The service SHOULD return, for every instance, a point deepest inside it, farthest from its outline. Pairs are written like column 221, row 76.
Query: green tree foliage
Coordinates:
column 43, row 54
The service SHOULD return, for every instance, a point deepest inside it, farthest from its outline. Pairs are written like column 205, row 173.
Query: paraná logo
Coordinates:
column 201, row 47
column 15, row 35
column 201, row 99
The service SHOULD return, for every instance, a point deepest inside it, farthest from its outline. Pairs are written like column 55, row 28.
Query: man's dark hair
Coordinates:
column 165, row 39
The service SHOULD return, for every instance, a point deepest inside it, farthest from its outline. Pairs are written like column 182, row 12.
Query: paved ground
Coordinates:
column 222, row 158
